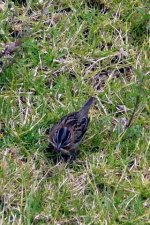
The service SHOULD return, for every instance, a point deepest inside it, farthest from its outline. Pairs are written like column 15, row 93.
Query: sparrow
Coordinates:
column 66, row 135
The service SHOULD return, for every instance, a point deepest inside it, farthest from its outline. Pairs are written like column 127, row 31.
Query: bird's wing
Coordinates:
column 80, row 129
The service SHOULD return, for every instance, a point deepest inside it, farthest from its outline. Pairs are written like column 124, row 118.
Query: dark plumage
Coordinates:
column 66, row 135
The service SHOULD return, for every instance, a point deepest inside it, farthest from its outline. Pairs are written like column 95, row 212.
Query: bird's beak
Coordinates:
column 58, row 147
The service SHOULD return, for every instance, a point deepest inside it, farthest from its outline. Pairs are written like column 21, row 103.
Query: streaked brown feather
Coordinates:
column 77, row 123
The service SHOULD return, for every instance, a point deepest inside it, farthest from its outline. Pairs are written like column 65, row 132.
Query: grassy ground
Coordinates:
column 68, row 51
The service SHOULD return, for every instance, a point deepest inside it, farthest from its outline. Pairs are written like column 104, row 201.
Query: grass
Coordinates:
column 71, row 50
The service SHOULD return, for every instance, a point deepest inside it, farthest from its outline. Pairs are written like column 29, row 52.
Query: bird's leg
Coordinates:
column 73, row 154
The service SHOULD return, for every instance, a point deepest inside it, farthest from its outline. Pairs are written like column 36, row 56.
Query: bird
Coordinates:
column 66, row 135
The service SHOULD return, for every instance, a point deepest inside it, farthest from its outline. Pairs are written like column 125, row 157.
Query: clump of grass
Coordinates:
column 69, row 51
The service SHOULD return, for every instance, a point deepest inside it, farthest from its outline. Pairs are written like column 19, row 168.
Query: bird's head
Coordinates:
column 61, row 139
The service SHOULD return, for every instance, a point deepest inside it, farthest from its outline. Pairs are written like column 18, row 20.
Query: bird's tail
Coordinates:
column 85, row 108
